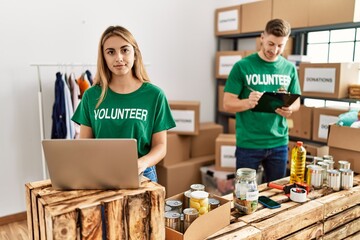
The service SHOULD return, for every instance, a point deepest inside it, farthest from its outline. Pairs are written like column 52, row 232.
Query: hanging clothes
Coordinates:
column 58, row 130
column 69, row 111
column 89, row 77
column 83, row 83
column 75, row 98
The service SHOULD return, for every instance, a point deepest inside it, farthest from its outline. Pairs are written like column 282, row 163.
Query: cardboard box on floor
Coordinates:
column 205, row 225
column 178, row 149
column 204, row 143
column 322, row 118
column 178, row 177
column 344, row 144
column 328, row 80
column 187, row 117
column 225, row 153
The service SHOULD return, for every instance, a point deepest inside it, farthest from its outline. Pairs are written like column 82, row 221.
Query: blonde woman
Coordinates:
column 122, row 103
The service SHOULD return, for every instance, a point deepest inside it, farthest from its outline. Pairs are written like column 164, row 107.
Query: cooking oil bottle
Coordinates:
column 298, row 160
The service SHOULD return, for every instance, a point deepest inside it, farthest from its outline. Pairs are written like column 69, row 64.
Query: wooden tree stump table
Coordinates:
column 95, row 214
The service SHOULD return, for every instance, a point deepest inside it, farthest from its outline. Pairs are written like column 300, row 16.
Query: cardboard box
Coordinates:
column 178, row 149
column 187, row 117
column 328, row 80
column 227, row 20
column 232, row 125
column 225, row 159
column 322, row 118
column 294, row 11
column 344, row 144
column 225, row 60
column 205, row 225
column 255, row 15
column 302, row 123
column 178, row 177
column 217, row 182
column 327, row 12
column 204, row 143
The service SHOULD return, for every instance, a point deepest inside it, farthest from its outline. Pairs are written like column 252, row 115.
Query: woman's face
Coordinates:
column 119, row 56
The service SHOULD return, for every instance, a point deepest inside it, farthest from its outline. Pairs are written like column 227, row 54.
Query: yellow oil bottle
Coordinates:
column 298, row 160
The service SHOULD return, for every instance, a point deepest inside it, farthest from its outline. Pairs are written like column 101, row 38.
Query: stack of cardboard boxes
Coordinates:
column 190, row 145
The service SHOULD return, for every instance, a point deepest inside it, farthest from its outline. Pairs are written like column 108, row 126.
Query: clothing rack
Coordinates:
column 40, row 100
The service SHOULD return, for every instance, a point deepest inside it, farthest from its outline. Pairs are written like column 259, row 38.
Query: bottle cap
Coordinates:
column 199, row 194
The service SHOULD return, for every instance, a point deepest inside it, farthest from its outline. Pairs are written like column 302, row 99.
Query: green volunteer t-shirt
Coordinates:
column 135, row 115
column 257, row 129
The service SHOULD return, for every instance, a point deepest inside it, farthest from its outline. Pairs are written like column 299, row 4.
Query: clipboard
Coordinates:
column 270, row 101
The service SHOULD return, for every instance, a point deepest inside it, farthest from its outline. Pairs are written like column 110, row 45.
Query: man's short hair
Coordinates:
column 278, row 28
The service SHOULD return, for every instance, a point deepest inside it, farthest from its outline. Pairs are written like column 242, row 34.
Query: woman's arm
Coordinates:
column 157, row 152
column 86, row 132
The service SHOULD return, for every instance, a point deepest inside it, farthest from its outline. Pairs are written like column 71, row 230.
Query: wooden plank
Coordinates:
column 266, row 213
column 137, row 215
column 342, row 218
column 114, row 215
column 227, row 230
column 157, row 209
column 344, row 231
column 355, row 236
column 339, row 201
column 313, row 232
column 62, row 227
column 246, row 233
column 283, row 223
column 29, row 210
column 90, row 222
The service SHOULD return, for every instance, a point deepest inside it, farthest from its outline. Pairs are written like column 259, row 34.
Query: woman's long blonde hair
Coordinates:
column 103, row 73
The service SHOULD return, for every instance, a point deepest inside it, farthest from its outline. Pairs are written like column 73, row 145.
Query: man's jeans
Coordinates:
column 274, row 160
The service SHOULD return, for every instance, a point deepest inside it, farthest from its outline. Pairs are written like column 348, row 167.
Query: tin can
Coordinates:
column 316, row 160
column 330, row 162
column 175, row 205
column 347, row 178
column 190, row 214
column 197, row 187
column 343, row 164
column 328, row 157
column 213, row 203
column 325, row 166
column 172, row 220
column 167, row 208
column 314, row 176
column 333, row 177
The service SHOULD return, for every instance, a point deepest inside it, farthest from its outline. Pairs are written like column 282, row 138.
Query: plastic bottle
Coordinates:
column 298, row 160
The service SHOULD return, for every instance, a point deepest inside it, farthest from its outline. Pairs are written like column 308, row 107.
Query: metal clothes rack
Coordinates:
column 40, row 100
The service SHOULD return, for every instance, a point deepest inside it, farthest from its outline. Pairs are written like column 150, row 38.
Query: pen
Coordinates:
column 252, row 90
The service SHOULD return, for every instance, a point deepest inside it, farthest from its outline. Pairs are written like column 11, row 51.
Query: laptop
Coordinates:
column 92, row 163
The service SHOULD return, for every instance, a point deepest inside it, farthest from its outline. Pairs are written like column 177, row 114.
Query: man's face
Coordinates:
column 272, row 46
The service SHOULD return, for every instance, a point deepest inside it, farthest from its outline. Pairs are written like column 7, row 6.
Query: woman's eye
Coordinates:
column 110, row 52
column 125, row 50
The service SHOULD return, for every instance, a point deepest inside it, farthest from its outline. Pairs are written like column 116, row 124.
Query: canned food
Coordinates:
column 330, row 162
column 172, row 220
column 175, row 205
column 334, row 179
column 197, row 187
column 199, row 200
column 314, row 176
column 167, row 208
column 213, row 203
column 328, row 157
column 190, row 214
column 343, row 164
column 325, row 167
column 347, row 178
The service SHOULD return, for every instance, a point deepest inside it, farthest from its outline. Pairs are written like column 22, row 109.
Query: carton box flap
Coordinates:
column 344, row 137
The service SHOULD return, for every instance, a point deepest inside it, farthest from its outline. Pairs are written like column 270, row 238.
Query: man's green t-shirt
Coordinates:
column 258, row 130
column 135, row 115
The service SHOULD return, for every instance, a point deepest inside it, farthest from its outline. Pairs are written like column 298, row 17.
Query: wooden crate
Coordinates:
column 326, row 214
column 95, row 214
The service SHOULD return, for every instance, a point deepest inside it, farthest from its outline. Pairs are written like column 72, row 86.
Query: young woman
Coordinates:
column 122, row 103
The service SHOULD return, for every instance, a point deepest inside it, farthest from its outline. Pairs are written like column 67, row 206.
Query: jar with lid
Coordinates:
column 246, row 192
column 200, row 201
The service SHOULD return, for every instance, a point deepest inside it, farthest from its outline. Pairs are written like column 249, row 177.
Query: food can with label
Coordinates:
column 347, row 178
column 172, row 220
column 175, row 205
column 333, row 177
column 190, row 214
column 213, row 203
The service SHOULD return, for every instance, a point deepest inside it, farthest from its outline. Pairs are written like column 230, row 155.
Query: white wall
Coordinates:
column 176, row 38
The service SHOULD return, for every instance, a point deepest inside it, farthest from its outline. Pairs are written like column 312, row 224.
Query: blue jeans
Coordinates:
column 150, row 173
column 274, row 160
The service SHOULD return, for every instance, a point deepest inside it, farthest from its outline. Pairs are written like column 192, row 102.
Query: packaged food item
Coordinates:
column 175, row 205
column 172, row 220
column 298, row 160
column 200, row 201
column 246, row 192
column 190, row 214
